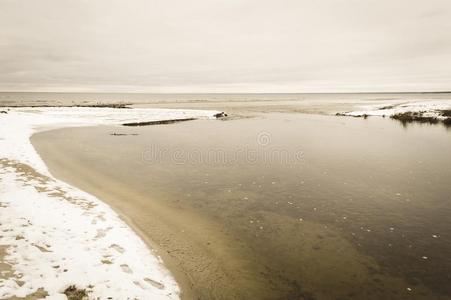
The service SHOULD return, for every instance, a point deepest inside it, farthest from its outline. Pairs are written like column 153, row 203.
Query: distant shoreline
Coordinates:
column 231, row 93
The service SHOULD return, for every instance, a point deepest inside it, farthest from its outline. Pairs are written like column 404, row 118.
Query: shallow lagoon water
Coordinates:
column 312, row 207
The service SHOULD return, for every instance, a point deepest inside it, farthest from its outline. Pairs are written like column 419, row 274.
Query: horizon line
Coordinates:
column 231, row 93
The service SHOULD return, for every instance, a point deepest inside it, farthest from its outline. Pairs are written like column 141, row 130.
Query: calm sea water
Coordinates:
column 24, row 98
column 320, row 207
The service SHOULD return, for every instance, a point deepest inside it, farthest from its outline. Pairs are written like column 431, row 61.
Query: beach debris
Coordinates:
column 424, row 257
column 3, row 112
column 435, row 236
column 409, row 289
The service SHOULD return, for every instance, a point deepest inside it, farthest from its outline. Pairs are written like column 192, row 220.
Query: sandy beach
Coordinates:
column 58, row 240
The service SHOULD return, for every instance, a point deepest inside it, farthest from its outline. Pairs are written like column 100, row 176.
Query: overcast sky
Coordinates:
column 225, row 46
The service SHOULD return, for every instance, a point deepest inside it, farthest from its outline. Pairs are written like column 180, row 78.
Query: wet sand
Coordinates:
column 216, row 246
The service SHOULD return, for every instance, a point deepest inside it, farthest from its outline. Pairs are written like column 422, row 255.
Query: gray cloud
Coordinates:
column 225, row 45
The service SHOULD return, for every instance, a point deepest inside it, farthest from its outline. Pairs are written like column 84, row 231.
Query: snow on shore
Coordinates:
column 55, row 235
column 19, row 124
column 426, row 108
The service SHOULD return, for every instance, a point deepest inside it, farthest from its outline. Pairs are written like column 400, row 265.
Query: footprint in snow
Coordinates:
column 125, row 268
column 118, row 248
column 154, row 283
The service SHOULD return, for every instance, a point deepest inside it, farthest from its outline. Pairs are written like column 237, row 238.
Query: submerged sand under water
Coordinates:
column 361, row 213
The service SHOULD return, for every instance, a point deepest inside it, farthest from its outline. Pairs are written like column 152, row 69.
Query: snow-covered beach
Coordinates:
column 55, row 236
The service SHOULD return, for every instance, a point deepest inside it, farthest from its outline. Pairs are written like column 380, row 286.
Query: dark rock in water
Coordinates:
column 162, row 122
column 123, row 134
column 220, row 115
column 387, row 107
column 3, row 112
column 345, row 114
